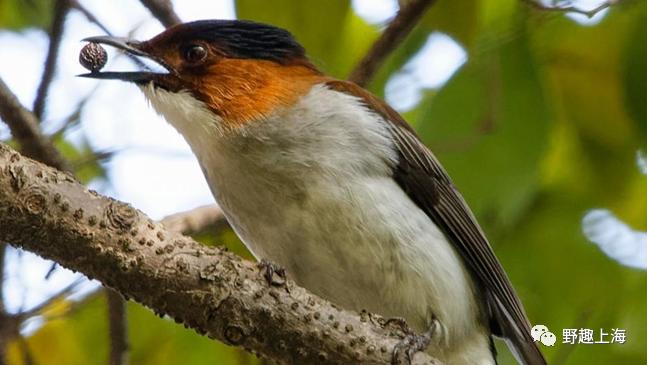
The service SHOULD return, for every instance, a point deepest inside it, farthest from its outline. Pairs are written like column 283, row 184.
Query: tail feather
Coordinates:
column 516, row 335
column 526, row 352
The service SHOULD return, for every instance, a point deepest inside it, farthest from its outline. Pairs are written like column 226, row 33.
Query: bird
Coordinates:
column 319, row 177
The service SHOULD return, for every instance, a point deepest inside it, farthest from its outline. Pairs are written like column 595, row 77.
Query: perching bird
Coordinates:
column 327, row 181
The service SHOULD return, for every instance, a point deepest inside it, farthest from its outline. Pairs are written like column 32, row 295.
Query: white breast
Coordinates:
column 310, row 189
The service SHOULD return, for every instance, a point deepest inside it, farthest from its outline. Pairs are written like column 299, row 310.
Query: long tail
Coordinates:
column 517, row 335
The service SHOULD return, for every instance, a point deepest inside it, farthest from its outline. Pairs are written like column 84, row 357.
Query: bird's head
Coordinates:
column 239, row 70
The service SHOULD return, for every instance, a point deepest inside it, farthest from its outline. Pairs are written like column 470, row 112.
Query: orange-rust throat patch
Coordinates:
column 246, row 90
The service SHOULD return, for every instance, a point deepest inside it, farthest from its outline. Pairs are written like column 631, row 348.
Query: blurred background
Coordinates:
column 538, row 115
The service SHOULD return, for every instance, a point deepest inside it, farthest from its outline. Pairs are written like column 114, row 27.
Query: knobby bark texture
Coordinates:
column 25, row 128
column 208, row 289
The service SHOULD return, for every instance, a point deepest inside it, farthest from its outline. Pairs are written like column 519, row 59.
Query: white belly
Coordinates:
column 362, row 245
column 311, row 189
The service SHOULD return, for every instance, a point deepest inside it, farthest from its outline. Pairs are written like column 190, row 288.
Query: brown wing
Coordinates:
column 422, row 177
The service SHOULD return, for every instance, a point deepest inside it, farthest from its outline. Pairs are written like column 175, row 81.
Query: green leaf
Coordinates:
column 489, row 127
column 81, row 337
column 157, row 341
column 19, row 14
column 84, row 160
column 635, row 72
column 76, row 338
column 329, row 30
column 458, row 19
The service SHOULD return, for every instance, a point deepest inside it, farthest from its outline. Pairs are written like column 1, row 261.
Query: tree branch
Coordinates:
column 571, row 9
column 208, row 218
column 61, row 8
column 397, row 30
column 25, row 129
column 89, row 16
column 118, row 328
column 208, row 289
column 163, row 11
column 62, row 294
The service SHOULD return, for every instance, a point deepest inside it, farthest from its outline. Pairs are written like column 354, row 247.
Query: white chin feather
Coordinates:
column 190, row 116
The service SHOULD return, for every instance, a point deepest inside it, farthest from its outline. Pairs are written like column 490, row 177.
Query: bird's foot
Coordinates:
column 274, row 275
column 412, row 342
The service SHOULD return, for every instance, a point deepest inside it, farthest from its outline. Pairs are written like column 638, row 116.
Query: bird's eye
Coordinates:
column 195, row 53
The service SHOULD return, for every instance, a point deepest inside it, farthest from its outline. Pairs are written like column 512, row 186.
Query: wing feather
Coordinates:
column 423, row 178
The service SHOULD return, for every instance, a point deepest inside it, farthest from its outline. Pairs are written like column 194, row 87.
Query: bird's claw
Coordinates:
column 411, row 343
column 401, row 324
column 274, row 275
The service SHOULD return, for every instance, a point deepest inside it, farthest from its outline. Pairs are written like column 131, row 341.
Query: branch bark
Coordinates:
column 25, row 129
column 208, row 289
column 406, row 19
column 207, row 218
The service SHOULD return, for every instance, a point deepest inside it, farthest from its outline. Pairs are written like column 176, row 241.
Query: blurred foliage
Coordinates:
column 81, row 338
column 540, row 125
column 85, row 161
column 323, row 27
column 17, row 14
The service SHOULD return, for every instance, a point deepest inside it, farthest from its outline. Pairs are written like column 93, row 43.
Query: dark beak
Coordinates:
column 132, row 49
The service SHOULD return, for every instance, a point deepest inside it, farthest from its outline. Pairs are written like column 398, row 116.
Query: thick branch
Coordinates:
column 208, row 289
column 208, row 218
column 397, row 30
column 25, row 129
column 61, row 8
column 163, row 11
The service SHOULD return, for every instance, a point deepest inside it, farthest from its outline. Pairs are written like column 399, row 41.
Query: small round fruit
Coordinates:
column 93, row 57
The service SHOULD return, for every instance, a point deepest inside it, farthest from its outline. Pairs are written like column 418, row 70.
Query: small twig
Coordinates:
column 51, row 271
column 163, row 11
column 61, row 8
column 73, row 307
column 94, row 157
column 22, row 316
column 198, row 220
column 91, row 18
column 118, row 328
column 571, row 9
column 25, row 129
column 396, row 31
